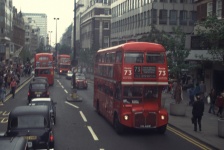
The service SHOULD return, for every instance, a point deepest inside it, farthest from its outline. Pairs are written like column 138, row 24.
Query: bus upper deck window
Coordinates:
column 155, row 58
column 133, row 57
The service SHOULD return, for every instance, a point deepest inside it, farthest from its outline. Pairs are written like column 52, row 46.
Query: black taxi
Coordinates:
column 38, row 89
column 34, row 124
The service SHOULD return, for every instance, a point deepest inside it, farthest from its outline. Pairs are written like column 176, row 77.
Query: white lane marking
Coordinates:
column 71, row 104
column 83, row 116
column 93, row 134
column 62, row 86
column 66, row 91
column 101, row 148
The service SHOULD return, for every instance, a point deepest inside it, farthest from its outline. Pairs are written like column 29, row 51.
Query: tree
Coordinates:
column 64, row 49
column 212, row 31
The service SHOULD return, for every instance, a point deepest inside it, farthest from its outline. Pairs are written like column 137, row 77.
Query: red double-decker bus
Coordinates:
column 128, row 84
column 63, row 64
column 43, row 65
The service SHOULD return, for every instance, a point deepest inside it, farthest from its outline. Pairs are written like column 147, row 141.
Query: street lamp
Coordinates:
column 56, row 49
column 74, row 44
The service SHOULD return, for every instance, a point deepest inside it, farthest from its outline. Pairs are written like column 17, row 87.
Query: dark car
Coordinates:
column 13, row 143
column 48, row 102
column 81, row 82
column 38, row 89
column 40, row 79
column 34, row 124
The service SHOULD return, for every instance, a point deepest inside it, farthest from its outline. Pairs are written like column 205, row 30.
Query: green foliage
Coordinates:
column 212, row 31
column 64, row 49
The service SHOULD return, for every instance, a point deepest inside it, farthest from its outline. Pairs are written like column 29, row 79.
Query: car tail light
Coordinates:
column 51, row 137
column 48, row 93
column 28, row 94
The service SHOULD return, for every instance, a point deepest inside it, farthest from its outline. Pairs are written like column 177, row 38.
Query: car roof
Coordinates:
column 45, row 78
column 29, row 110
column 37, row 82
column 41, row 99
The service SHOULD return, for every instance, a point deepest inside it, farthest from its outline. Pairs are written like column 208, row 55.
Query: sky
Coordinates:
column 62, row 9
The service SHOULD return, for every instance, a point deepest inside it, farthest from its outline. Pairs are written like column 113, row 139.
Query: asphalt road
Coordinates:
column 79, row 127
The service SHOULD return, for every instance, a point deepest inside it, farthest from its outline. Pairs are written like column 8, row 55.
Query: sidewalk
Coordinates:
column 22, row 80
column 209, row 133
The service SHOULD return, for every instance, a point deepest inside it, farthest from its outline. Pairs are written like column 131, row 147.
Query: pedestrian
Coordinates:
column 196, row 90
column 202, row 90
column 213, row 96
column 178, row 93
column 13, row 85
column 3, row 92
column 220, row 104
column 197, row 111
column 191, row 95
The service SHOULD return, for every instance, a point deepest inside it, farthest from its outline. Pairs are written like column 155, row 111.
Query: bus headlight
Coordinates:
column 125, row 117
column 162, row 117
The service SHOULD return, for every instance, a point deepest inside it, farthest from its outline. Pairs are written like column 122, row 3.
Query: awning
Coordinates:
column 17, row 52
column 196, row 55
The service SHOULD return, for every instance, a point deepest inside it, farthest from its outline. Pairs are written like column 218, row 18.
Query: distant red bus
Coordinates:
column 63, row 64
column 43, row 65
column 128, row 84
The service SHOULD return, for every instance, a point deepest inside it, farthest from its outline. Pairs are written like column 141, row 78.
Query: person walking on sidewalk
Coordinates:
column 220, row 104
column 3, row 92
column 197, row 111
column 213, row 96
column 13, row 85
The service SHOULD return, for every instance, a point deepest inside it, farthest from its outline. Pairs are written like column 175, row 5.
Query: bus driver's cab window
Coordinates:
column 150, row 92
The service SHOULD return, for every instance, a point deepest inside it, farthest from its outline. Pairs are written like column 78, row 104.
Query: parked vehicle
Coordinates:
column 34, row 123
column 38, row 89
column 47, row 102
column 13, row 143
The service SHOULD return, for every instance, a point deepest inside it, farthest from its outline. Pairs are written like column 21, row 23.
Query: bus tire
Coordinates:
column 162, row 129
column 119, row 128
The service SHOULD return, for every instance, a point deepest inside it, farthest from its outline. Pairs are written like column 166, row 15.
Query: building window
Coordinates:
column 154, row 16
column 173, row 17
column 183, row 1
column 106, row 25
column 192, row 17
column 106, row 41
column 209, row 9
column 219, row 9
column 183, row 17
column 164, row 1
column 173, row 1
column 163, row 16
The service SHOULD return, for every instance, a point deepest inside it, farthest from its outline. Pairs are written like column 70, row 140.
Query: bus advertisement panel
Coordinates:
column 43, row 65
column 63, row 64
column 128, row 84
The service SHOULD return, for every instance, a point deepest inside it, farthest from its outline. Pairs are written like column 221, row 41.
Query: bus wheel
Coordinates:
column 161, row 129
column 119, row 128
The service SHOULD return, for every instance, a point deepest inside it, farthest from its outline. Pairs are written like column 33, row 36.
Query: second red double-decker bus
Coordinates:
column 63, row 64
column 43, row 65
column 128, row 84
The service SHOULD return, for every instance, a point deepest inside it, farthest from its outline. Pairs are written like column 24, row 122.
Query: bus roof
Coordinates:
column 136, row 46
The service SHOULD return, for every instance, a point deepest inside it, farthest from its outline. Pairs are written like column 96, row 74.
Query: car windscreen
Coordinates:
column 38, row 86
column 29, row 121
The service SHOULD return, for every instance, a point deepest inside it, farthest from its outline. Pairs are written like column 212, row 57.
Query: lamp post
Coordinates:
column 56, row 49
column 74, row 44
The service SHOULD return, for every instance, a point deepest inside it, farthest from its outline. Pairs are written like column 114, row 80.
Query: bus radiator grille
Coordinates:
column 145, row 121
